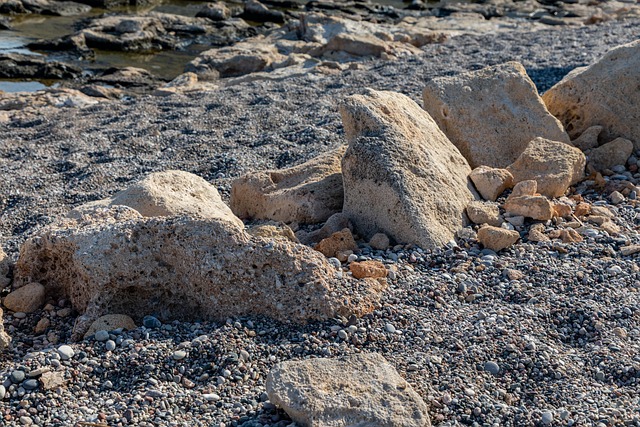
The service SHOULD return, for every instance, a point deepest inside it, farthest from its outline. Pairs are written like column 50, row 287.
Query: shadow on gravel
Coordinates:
column 545, row 78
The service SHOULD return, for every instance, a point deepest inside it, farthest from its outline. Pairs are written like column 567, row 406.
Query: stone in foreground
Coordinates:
column 26, row 299
column 117, row 261
column 361, row 390
column 480, row 212
column 610, row 154
column 491, row 182
column 5, row 267
column 110, row 322
column 401, row 174
column 5, row 339
column 491, row 114
column 604, row 94
column 308, row 193
column 553, row 165
column 496, row 238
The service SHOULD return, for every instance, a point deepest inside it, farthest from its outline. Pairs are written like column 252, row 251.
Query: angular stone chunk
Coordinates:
column 337, row 242
column 361, row 390
column 308, row 193
column 5, row 267
column 588, row 139
column 553, row 165
column 496, row 238
column 604, row 94
column 491, row 114
column 237, row 60
column 185, row 268
column 484, row 213
column 401, row 174
column 26, row 299
column 536, row 207
column 491, row 182
column 610, row 154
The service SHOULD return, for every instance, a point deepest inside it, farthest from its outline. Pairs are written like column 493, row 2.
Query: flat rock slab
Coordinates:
column 362, row 390
column 116, row 261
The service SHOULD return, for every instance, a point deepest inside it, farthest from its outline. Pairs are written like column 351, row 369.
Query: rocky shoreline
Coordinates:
column 539, row 333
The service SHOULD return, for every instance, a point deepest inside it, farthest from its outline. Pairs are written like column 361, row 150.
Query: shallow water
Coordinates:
column 164, row 64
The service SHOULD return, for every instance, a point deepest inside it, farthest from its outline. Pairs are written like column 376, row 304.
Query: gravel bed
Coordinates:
column 535, row 335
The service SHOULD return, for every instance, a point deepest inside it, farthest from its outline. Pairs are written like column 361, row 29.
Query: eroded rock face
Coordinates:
column 361, row 390
column 491, row 114
column 308, row 193
column 18, row 66
column 553, row 165
column 5, row 339
column 116, row 261
column 401, row 174
column 5, row 268
column 491, row 182
column 604, row 94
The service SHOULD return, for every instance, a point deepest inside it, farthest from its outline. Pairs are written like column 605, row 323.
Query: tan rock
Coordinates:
column 357, row 44
column 561, row 210
column 52, row 380
column 536, row 207
column 553, row 165
column 117, row 261
column 491, row 182
column 5, row 339
column 335, row 223
column 496, row 238
column 362, row 389
column 42, row 326
column 26, row 299
column 337, row 242
column 582, row 209
column 610, row 154
column 169, row 193
column 629, row 250
column 602, row 211
column 401, row 174
column 491, row 114
column 379, row 241
column 588, row 139
column 537, row 234
column 5, row 268
column 270, row 231
column 604, row 94
column 597, row 219
column 110, row 322
column 363, row 269
column 524, row 188
column 567, row 235
column 610, row 227
column 484, row 213
column 308, row 193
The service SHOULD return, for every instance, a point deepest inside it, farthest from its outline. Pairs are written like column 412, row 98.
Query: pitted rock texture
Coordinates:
column 401, row 174
column 5, row 339
column 491, row 114
column 308, row 193
column 117, row 261
column 361, row 390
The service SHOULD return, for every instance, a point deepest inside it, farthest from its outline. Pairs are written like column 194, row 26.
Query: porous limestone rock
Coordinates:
column 491, row 182
column 369, row 268
column 273, row 231
column 338, row 242
column 480, row 212
column 401, row 174
column 536, row 207
column 603, row 94
column 360, row 390
column 553, row 165
column 496, row 238
column 26, row 299
column 335, row 223
column 524, row 188
column 5, row 267
column 110, row 322
column 610, row 154
column 491, row 114
column 116, row 261
column 168, row 193
column 308, row 193
column 537, row 234
column 5, row 339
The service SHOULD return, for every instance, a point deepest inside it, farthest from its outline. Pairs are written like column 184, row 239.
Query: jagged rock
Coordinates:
column 582, row 209
column 127, row 76
column 273, row 231
column 524, row 188
column 496, row 238
column 116, row 261
column 44, row 7
column 18, row 66
column 588, row 139
column 5, row 339
column 338, row 242
column 536, row 207
column 567, row 235
column 308, row 193
column 335, row 223
column 52, row 380
column 536, row 234
column 110, row 322
column 357, row 44
column 491, row 182
column 610, row 154
column 553, row 165
column 370, row 268
column 257, row 12
column 217, row 11
column 603, row 94
column 26, row 299
column 168, row 193
column 480, row 212
column 561, row 210
column 5, row 269
column 401, row 174
column 491, row 114
column 360, row 390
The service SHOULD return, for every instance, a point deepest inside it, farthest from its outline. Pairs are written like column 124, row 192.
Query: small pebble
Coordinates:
column 102, row 336
column 390, row 328
column 179, row 354
column 31, row 384
column 492, row 368
column 65, row 352
column 151, row 322
column 547, row 417
column 17, row 376
column 110, row 345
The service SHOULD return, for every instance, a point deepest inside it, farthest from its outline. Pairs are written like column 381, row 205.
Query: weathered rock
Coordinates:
column 337, row 242
column 26, row 299
column 169, row 193
column 379, row 241
column 561, row 210
column 110, row 322
column 537, row 234
column 44, row 7
column 273, row 231
column 217, row 11
column 567, row 235
column 496, row 238
column 5, row 269
column 335, row 223
column 536, row 207
column 52, row 380
column 588, row 139
column 491, row 114
column 308, row 193
column 491, row 182
column 116, row 261
column 18, row 66
column 357, row 44
column 610, row 154
column 128, row 77
column 582, row 209
column 258, row 12
column 361, row 390
column 524, row 188
column 401, row 174
column 371, row 268
column 5, row 339
column 603, row 94
column 553, row 165
column 480, row 212
column 42, row 326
